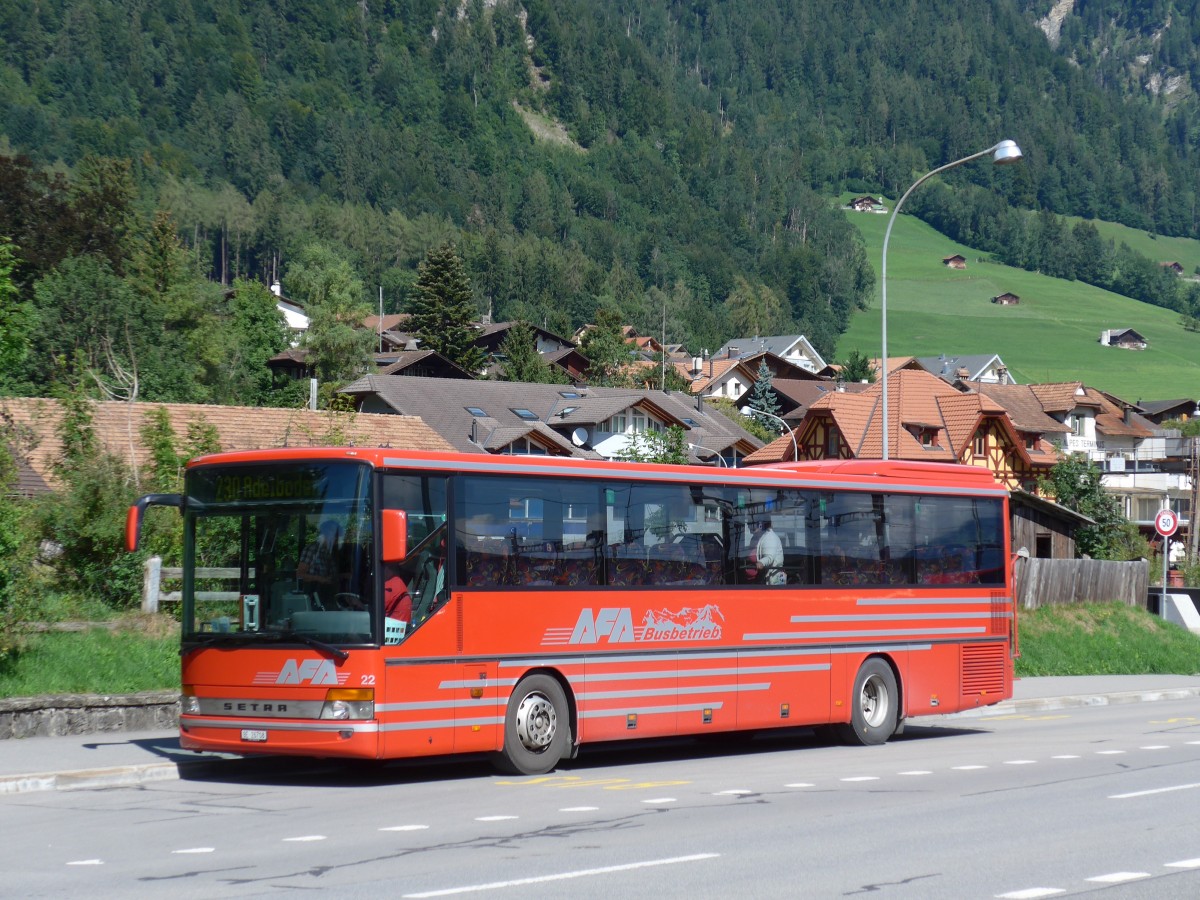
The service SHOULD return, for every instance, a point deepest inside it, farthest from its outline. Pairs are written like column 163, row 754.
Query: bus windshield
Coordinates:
column 279, row 552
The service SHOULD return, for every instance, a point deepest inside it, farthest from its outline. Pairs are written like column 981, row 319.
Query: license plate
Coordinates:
column 249, row 734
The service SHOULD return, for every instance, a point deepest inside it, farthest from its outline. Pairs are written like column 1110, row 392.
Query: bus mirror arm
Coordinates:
column 133, row 518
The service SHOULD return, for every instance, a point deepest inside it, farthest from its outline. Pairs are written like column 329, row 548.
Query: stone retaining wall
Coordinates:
column 88, row 713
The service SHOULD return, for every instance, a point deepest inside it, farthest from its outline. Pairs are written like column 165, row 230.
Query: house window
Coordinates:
column 477, row 412
column 639, row 421
column 617, row 424
column 526, row 414
column 980, row 448
column 831, row 443
column 1031, row 442
column 525, row 447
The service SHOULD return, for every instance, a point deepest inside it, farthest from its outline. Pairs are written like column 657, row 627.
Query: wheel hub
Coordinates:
column 536, row 722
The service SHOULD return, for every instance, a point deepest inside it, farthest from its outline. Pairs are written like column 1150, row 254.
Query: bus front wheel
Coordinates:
column 537, row 730
column 874, row 705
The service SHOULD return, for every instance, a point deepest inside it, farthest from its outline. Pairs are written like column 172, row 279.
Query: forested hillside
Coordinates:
column 675, row 160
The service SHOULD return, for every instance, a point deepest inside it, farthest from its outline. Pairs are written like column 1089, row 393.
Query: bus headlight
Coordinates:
column 189, row 703
column 349, row 703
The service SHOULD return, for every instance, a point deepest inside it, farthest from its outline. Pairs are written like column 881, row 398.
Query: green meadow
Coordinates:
column 1052, row 335
column 1185, row 251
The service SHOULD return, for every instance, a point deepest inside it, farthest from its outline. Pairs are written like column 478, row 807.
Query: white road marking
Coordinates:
column 1162, row 790
column 736, row 792
column 1109, row 752
column 86, row 862
column 1020, row 762
column 1066, row 756
column 493, row 818
column 1030, row 893
column 307, row 837
column 1184, row 864
column 1118, row 877
column 196, row 850
column 1155, row 747
column 404, row 828
column 861, row 778
column 563, row 876
column 579, row 809
column 968, row 768
column 661, row 800
column 916, row 772
column 800, row 784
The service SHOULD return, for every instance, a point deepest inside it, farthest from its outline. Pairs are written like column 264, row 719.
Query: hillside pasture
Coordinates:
column 1051, row 335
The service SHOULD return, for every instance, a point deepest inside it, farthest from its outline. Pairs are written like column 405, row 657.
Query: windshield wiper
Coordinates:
column 336, row 652
column 212, row 640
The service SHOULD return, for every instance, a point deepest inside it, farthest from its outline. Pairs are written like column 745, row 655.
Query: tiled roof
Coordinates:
column 1110, row 418
column 1059, row 397
column 1024, row 404
column 443, row 403
column 118, row 428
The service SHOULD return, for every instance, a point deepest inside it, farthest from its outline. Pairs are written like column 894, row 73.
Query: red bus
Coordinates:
column 378, row 604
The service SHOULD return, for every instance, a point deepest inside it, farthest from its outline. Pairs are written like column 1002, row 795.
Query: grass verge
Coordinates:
column 143, row 654
column 137, row 654
column 1103, row 639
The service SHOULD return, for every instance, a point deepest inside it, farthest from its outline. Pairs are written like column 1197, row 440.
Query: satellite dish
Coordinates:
column 579, row 437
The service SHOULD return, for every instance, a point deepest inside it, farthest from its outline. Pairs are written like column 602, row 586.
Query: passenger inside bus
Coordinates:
column 397, row 601
column 317, row 572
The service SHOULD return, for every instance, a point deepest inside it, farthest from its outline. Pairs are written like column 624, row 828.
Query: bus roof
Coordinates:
column 861, row 473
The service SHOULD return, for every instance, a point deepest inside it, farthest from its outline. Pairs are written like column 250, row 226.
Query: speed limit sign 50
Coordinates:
column 1166, row 522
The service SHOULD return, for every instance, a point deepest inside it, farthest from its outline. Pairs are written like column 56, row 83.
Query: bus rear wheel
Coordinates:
column 874, row 705
column 537, row 730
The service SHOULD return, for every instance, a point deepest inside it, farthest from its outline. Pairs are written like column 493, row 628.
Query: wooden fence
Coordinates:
column 1046, row 582
column 155, row 573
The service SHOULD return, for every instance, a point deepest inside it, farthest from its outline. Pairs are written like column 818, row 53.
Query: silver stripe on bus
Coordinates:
column 440, row 704
column 440, row 723
column 647, row 710
column 652, row 692
column 696, row 673
column 928, row 601
column 188, row 723
column 732, row 653
column 900, row 632
column 893, row 617
column 734, row 477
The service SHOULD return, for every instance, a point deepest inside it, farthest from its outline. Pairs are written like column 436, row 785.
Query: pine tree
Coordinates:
column 763, row 398
column 606, row 350
column 523, row 363
column 443, row 309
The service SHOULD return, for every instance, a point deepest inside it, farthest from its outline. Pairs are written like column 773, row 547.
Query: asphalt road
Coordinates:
column 1018, row 804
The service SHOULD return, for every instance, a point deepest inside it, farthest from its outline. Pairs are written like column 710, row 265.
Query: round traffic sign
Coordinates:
column 1166, row 522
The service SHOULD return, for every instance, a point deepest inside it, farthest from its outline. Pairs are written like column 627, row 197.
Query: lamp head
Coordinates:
column 1006, row 152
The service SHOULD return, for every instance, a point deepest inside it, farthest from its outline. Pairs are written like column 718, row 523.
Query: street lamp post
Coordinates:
column 750, row 411
column 715, row 453
column 1002, row 153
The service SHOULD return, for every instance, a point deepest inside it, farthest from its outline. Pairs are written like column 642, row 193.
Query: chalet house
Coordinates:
column 734, row 374
column 1006, row 299
column 550, row 419
column 866, row 204
column 1159, row 411
column 985, row 367
column 794, row 348
column 1125, row 338
column 1173, row 267
column 930, row 420
column 957, row 261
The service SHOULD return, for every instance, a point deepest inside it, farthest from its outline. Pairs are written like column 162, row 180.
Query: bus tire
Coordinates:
column 874, row 705
column 537, row 727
